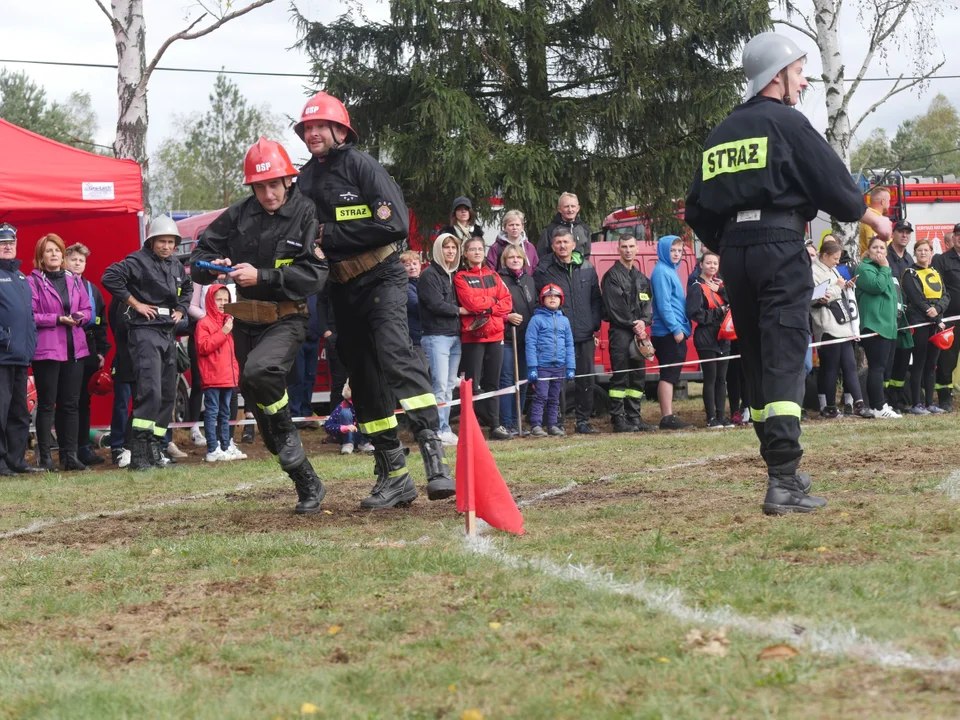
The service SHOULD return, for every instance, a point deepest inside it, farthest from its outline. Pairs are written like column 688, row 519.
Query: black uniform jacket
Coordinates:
column 708, row 319
column 282, row 246
column 923, row 289
column 524, row 294
column 359, row 205
column 151, row 280
column 582, row 303
column 767, row 156
column 96, row 329
column 627, row 297
column 948, row 265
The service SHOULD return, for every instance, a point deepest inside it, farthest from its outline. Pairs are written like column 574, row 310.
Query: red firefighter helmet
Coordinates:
column 31, row 394
column 943, row 340
column 551, row 289
column 727, row 331
column 326, row 107
column 101, row 382
column 266, row 160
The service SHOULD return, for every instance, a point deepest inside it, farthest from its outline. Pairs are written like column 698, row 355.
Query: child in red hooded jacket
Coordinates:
column 219, row 373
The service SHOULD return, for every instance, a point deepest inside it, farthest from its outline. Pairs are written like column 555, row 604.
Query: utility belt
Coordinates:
column 265, row 311
column 346, row 270
column 747, row 220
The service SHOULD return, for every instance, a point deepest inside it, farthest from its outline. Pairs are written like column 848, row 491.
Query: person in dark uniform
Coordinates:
column 364, row 219
column 628, row 306
column 269, row 242
column 157, row 290
column 18, row 342
column 947, row 264
column 895, row 377
column 765, row 172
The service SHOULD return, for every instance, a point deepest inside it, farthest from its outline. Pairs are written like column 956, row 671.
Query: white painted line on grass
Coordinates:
column 43, row 524
column 834, row 641
column 951, row 486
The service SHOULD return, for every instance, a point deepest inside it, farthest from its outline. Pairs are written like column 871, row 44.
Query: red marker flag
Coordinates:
column 481, row 490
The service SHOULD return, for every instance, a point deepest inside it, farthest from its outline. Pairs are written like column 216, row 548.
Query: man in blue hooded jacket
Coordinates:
column 671, row 328
column 18, row 341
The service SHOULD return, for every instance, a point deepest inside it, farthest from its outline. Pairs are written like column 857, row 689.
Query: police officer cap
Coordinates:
column 764, row 56
column 8, row 233
column 956, row 228
column 903, row 225
column 163, row 225
column 465, row 201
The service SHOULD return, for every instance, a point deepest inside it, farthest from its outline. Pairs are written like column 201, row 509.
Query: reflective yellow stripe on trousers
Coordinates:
column 276, row 407
column 617, row 393
column 419, row 402
column 781, row 408
column 139, row 424
column 377, row 426
column 634, row 393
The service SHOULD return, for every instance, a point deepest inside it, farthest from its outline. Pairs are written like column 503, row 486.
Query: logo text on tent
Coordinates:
column 263, row 167
column 97, row 191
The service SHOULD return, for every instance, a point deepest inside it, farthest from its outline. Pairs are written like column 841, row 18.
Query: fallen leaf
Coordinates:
column 778, row 652
column 494, row 625
column 333, row 629
column 236, row 561
column 471, row 714
column 663, row 660
column 156, row 551
column 713, row 643
column 844, row 514
column 308, row 709
column 327, row 512
column 822, row 548
column 452, row 688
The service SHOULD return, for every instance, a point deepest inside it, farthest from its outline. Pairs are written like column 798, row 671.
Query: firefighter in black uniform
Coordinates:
column 765, row 173
column 628, row 304
column 157, row 291
column 948, row 265
column 364, row 218
column 269, row 241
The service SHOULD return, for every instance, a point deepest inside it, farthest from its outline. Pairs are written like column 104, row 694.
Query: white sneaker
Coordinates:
column 887, row 413
column 175, row 452
column 346, row 449
column 124, row 459
column 366, row 447
column 233, row 452
column 448, row 439
column 217, row 455
column 196, row 436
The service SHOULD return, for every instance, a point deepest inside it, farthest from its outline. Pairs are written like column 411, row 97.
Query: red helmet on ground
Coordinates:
column 943, row 340
column 324, row 107
column 551, row 289
column 101, row 382
column 266, row 160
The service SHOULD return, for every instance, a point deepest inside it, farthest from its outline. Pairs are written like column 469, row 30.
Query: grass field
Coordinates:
column 223, row 604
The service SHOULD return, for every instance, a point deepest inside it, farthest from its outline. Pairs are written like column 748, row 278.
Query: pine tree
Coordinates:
column 609, row 99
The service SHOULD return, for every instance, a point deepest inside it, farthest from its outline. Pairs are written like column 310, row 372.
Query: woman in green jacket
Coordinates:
column 877, row 298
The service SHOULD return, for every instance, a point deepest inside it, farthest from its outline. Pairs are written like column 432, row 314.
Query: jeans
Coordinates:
column 508, row 403
column 216, row 417
column 302, row 378
column 122, row 392
column 354, row 438
column 546, row 396
column 443, row 354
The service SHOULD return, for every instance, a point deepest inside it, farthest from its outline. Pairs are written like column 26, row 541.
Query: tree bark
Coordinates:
column 826, row 16
column 130, row 32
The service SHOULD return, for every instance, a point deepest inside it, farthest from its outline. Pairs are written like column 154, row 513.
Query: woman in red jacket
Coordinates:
column 481, row 292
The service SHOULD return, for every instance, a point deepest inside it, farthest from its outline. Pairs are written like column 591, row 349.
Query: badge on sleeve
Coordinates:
column 319, row 253
column 384, row 211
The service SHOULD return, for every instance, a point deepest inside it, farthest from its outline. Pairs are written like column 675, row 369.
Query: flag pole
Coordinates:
column 516, row 380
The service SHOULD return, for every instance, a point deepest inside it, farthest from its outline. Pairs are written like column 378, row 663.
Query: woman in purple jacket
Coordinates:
column 61, row 307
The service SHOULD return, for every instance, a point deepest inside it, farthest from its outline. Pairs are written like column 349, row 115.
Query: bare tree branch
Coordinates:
column 187, row 35
column 878, row 35
column 805, row 30
column 113, row 21
column 895, row 90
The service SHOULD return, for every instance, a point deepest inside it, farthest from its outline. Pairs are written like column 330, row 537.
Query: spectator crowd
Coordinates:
column 493, row 314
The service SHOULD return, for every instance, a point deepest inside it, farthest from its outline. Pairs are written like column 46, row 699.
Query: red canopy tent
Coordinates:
column 46, row 187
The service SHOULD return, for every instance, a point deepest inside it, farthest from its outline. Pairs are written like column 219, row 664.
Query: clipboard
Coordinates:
column 820, row 291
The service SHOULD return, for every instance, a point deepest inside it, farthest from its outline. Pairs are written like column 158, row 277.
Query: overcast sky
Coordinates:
column 77, row 31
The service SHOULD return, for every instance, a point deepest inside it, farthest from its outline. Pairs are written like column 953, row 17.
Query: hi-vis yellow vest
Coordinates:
column 931, row 283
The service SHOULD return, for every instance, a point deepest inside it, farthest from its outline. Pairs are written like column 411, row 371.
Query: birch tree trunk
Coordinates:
column 130, row 32
column 826, row 17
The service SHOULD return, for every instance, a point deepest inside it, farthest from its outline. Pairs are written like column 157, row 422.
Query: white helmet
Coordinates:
column 163, row 225
column 764, row 56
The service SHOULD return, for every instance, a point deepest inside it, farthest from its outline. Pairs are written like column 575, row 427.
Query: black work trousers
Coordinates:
column 584, row 352
column 14, row 415
column 626, row 388
column 265, row 354
column 714, row 383
column 879, row 352
column 924, row 367
column 195, row 404
column 91, row 364
column 374, row 345
column 338, row 373
column 58, row 400
column 482, row 363
column 736, row 383
column 833, row 359
column 154, row 354
column 770, row 285
column 945, row 367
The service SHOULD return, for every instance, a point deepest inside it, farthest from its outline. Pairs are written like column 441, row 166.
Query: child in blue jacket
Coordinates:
column 342, row 428
column 550, row 359
column 671, row 328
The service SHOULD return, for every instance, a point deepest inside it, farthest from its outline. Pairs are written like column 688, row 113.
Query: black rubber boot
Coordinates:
column 289, row 449
column 45, row 458
column 945, row 399
column 310, row 490
column 620, row 424
column 440, row 484
column 140, row 454
column 70, row 461
column 154, row 453
column 394, row 486
column 87, row 456
column 787, row 493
